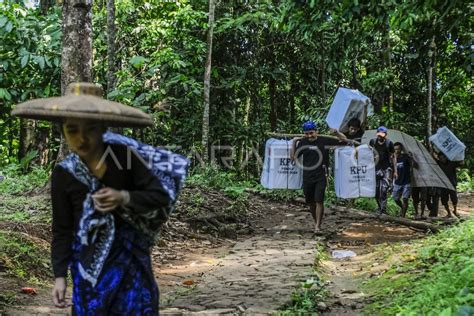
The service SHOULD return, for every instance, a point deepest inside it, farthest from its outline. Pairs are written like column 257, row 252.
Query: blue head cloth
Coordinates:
column 382, row 130
column 309, row 126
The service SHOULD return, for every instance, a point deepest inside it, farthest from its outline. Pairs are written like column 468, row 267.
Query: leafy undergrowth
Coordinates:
column 465, row 181
column 25, row 257
column 435, row 276
column 20, row 200
column 235, row 188
column 306, row 298
column 16, row 181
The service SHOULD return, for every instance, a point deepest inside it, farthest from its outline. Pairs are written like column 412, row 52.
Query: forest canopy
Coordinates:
column 274, row 64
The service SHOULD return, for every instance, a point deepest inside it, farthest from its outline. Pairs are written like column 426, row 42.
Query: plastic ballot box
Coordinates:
column 279, row 171
column 354, row 172
column 347, row 104
column 448, row 144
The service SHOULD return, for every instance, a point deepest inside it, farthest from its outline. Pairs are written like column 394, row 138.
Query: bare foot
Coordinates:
column 449, row 216
column 318, row 230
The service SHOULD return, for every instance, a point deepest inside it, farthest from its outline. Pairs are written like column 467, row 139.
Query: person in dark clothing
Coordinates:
column 449, row 169
column 110, row 198
column 313, row 151
column 419, row 196
column 134, row 188
column 432, row 200
column 354, row 131
column 401, row 185
column 384, row 165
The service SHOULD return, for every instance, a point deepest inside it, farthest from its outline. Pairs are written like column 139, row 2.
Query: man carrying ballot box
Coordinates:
column 314, row 153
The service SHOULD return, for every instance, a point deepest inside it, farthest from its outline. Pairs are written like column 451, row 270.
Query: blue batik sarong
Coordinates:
column 98, row 245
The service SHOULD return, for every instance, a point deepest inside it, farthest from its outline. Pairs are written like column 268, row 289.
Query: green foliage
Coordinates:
column 15, row 202
column 16, row 182
column 25, row 257
column 265, row 75
column 161, row 59
column 7, row 298
column 278, row 195
column 227, row 182
column 304, row 300
column 25, row 208
column 465, row 181
column 439, row 281
column 29, row 65
column 26, row 161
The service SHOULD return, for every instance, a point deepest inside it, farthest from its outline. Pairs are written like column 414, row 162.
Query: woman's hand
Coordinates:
column 108, row 199
column 59, row 292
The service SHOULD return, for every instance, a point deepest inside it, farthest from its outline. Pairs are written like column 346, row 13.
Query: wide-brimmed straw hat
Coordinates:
column 83, row 100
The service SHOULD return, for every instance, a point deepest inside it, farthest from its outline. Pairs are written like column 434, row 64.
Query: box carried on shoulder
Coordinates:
column 354, row 172
column 347, row 104
column 279, row 171
column 448, row 144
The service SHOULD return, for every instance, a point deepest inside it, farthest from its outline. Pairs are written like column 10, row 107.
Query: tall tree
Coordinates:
column 431, row 64
column 76, row 53
column 207, row 84
column 111, row 30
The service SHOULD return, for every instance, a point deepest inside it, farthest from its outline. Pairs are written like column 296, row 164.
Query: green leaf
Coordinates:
column 5, row 95
column 5, row 64
column 9, row 27
column 3, row 21
column 40, row 61
column 24, row 60
column 465, row 310
column 138, row 61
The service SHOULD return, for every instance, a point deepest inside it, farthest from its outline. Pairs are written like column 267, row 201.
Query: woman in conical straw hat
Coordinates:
column 110, row 197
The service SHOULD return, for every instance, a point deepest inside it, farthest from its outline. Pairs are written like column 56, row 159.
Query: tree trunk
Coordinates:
column 207, row 85
column 111, row 30
column 27, row 137
column 273, row 110
column 431, row 52
column 111, row 51
column 45, row 5
column 292, row 96
column 389, row 64
column 76, row 54
column 11, row 135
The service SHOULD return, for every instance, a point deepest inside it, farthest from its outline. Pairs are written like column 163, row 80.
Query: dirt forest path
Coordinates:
column 257, row 272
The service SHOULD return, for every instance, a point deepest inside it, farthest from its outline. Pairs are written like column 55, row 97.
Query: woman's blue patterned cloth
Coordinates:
column 95, row 239
column 126, row 285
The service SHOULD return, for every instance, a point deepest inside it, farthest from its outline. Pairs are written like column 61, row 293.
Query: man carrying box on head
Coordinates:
column 354, row 131
column 314, row 153
column 449, row 169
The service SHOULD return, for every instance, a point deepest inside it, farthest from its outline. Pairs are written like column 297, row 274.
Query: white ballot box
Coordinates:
column 279, row 172
column 354, row 172
column 448, row 144
column 347, row 104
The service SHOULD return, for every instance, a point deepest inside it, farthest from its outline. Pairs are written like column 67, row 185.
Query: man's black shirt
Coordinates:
column 384, row 152
column 403, row 170
column 357, row 136
column 315, row 157
column 449, row 168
